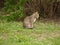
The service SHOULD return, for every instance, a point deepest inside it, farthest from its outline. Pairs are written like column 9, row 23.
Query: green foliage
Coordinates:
column 14, row 9
column 13, row 5
column 13, row 16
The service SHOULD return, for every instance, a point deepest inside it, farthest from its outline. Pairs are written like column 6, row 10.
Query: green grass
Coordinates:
column 13, row 33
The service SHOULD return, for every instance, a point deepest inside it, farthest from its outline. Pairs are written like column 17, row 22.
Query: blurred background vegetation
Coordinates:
column 11, row 10
column 16, row 10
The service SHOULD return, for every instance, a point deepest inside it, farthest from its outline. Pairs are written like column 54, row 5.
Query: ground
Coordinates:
column 13, row 33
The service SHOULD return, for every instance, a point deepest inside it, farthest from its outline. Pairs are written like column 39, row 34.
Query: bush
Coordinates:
column 14, row 8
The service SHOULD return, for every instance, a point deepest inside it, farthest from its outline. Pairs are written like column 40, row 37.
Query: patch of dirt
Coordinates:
column 44, row 36
column 55, row 34
column 3, row 36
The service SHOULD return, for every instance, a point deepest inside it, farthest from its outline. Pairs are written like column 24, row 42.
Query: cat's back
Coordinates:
column 27, row 19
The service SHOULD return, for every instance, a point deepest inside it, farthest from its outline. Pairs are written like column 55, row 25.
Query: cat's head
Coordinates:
column 36, row 15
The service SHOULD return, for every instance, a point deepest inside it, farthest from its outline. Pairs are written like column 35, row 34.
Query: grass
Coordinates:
column 13, row 33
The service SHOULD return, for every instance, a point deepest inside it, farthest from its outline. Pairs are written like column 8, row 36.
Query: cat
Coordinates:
column 29, row 20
